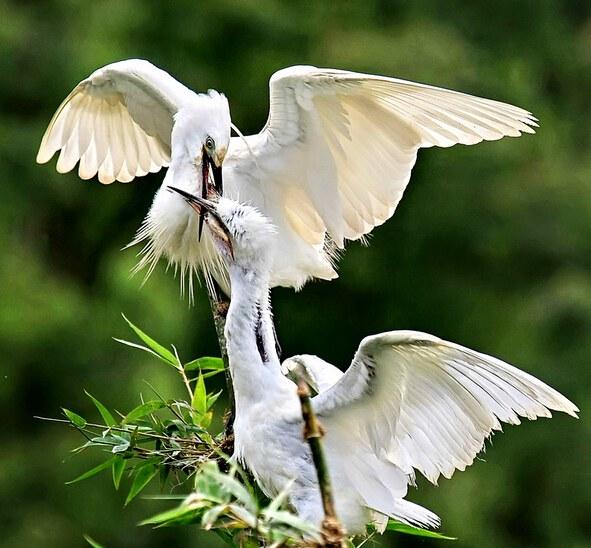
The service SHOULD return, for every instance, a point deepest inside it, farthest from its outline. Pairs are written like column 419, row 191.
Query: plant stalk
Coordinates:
column 332, row 532
column 219, row 308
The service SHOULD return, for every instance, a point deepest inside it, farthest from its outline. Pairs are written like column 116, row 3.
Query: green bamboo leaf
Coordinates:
column 399, row 527
column 92, row 472
column 118, row 467
column 92, row 542
column 160, row 350
column 293, row 521
column 206, row 363
column 74, row 418
column 276, row 503
column 213, row 398
column 105, row 413
column 199, row 400
column 143, row 476
column 211, row 516
column 231, row 485
column 143, row 409
column 176, row 515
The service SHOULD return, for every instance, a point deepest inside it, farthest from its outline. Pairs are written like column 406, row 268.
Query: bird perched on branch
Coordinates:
column 408, row 402
column 330, row 164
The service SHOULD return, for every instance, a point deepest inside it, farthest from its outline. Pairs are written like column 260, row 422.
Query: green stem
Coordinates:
column 332, row 531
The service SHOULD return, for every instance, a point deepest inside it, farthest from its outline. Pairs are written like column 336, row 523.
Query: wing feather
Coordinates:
column 429, row 405
column 116, row 122
column 350, row 141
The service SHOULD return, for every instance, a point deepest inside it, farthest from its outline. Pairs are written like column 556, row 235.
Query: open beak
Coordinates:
column 207, row 211
column 210, row 164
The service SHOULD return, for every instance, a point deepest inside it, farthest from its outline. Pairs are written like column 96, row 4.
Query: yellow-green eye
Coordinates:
column 209, row 143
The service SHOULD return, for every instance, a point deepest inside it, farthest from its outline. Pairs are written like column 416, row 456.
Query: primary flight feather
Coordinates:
column 331, row 163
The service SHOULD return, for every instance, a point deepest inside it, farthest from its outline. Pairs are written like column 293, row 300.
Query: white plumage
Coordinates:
column 331, row 163
column 408, row 401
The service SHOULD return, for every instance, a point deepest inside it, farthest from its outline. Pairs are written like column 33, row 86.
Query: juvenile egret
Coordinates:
column 409, row 401
column 330, row 164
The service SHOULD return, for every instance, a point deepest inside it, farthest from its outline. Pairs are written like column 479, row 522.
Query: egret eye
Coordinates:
column 209, row 143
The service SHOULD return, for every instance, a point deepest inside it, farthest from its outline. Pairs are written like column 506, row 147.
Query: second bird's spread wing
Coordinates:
column 117, row 122
column 427, row 404
column 341, row 145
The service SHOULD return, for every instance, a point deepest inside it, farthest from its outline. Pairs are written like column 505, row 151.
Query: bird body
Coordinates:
column 409, row 401
column 331, row 163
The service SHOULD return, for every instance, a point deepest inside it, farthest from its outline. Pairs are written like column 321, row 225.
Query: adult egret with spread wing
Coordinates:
column 330, row 164
column 408, row 401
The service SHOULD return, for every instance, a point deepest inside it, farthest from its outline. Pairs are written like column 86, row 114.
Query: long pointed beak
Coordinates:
column 208, row 163
column 218, row 181
column 200, row 205
column 206, row 210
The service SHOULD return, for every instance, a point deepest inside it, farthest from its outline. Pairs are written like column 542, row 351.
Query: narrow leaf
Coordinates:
column 143, row 409
column 399, row 527
column 118, row 468
column 92, row 542
column 206, row 363
column 175, row 515
column 163, row 352
column 143, row 476
column 199, row 401
column 92, row 472
column 293, row 521
column 213, row 398
column 74, row 418
column 105, row 413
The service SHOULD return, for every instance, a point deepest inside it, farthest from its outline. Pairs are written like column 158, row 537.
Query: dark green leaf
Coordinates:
column 105, row 413
column 74, row 418
column 92, row 472
column 394, row 525
column 160, row 350
column 92, row 542
column 206, row 363
column 143, row 476
column 199, row 401
column 118, row 468
column 143, row 409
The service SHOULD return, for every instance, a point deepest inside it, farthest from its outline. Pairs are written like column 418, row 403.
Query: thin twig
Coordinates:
column 219, row 307
column 333, row 535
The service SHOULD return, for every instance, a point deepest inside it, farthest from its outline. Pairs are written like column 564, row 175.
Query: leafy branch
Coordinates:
column 172, row 440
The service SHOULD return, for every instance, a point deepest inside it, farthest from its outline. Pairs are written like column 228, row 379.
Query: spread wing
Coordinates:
column 427, row 404
column 339, row 146
column 116, row 122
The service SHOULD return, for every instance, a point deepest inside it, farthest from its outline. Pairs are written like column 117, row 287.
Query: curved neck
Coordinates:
column 254, row 363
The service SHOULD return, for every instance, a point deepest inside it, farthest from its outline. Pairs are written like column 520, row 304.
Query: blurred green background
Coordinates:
column 490, row 247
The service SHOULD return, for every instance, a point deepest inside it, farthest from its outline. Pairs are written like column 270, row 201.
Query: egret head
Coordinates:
column 242, row 235
column 201, row 134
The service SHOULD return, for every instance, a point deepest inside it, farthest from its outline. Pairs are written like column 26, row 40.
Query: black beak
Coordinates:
column 218, row 182
column 205, row 207
column 200, row 205
column 206, row 190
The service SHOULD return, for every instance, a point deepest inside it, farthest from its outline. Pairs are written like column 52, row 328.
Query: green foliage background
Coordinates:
column 490, row 247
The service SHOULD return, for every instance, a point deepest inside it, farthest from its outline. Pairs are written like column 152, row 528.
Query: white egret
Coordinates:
column 409, row 401
column 330, row 164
